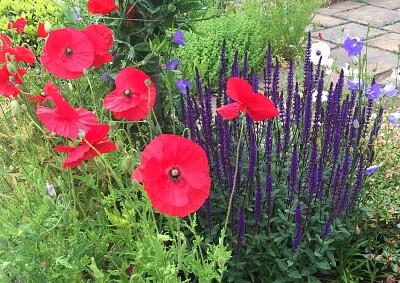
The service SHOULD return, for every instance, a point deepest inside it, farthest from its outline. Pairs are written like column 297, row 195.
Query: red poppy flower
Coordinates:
column 101, row 37
column 5, row 41
column 258, row 106
column 67, row 53
column 175, row 175
column 41, row 32
column 94, row 143
column 130, row 99
column 19, row 25
column 22, row 54
column 39, row 99
column 101, row 6
column 64, row 120
column 8, row 81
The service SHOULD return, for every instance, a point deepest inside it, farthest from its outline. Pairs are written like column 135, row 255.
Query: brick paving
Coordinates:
column 352, row 18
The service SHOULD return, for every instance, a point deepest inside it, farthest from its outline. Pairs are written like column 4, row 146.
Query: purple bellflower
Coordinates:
column 390, row 90
column 172, row 65
column 107, row 79
column 355, row 83
column 178, row 37
column 183, row 84
column 77, row 12
column 373, row 92
column 353, row 46
column 394, row 118
column 371, row 169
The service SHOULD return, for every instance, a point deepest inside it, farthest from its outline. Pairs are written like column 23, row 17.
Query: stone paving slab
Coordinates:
column 395, row 27
column 340, row 7
column 379, row 61
column 389, row 4
column 388, row 42
column 324, row 21
column 377, row 16
column 336, row 35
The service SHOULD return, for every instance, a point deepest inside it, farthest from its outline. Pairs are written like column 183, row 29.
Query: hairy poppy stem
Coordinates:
column 119, row 181
column 236, row 170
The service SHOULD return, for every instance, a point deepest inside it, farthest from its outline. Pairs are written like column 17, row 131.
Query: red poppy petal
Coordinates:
column 5, row 40
column 86, row 119
column 101, row 58
column 76, row 157
column 237, row 87
column 102, row 30
column 63, row 107
column 230, row 111
column 58, row 70
column 41, row 32
column 134, row 114
column 134, row 79
column 137, row 175
column 116, row 101
column 61, row 148
column 260, row 107
column 97, row 133
column 24, row 54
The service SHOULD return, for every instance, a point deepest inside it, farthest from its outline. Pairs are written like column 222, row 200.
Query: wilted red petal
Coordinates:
column 230, row 111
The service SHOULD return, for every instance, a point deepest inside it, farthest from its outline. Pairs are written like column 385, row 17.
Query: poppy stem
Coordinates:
column 92, row 93
column 117, row 179
column 236, row 172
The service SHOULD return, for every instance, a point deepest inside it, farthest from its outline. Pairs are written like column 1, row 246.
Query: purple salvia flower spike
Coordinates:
column 240, row 229
column 298, row 219
column 268, row 72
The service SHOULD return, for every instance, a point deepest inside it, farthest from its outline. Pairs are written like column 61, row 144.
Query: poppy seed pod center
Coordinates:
column 318, row 52
column 68, row 51
column 127, row 93
column 174, row 173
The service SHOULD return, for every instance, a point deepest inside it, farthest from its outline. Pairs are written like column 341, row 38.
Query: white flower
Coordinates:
column 347, row 71
column 328, row 66
column 324, row 96
column 320, row 49
column 395, row 74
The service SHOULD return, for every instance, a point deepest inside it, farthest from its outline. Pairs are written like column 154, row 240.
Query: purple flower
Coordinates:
column 183, row 84
column 77, row 12
column 353, row 45
column 298, row 219
column 178, row 37
column 371, row 169
column 355, row 83
column 390, row 90
column 373, row 92
column 394, row 118
column 172, row 65
column 50, row 189
column 107, row 78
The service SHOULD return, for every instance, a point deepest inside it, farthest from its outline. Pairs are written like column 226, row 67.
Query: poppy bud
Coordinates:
column 100, row 164
column 120, row 146
column 128, row 163
column 11, row 68
column 15, row 107
column 47, row 27
column 24, row 107
column 81, row 134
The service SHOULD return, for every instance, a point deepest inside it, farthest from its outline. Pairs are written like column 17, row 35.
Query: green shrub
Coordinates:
column 250, row 27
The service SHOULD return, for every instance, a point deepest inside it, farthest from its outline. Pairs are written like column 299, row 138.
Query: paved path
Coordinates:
column 351, row 18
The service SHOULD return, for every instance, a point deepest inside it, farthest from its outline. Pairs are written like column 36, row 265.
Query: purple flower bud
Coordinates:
column 172, row 65
column 178, row 37
column 353, row 45
column 371, row 169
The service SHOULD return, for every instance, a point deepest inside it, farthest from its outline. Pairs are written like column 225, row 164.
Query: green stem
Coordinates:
column 92, row 94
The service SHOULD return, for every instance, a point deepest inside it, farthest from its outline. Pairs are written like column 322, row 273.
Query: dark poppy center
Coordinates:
column 68, row 51
column 174, row 173
column 318, row 52
column 128, row 93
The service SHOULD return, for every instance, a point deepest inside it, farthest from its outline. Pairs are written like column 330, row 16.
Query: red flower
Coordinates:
column 41, row 32
column 258, row 106
column 67, row 53
column 5, row 41
column 175, row 175
column 130, row 99
column 101, row 6
column 101, row 37
column 21, row 54
column 64, row 120
column 8, row 81
column 19, row 25
column 94, row 143
column 38, row 99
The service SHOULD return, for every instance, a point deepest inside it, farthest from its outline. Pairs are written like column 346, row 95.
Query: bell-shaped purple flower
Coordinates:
column 390, row 90
column 371, row 169
column 355, row 84
column 172, row 65
column 373, row 92
column 353, row 46
column 182, row 85
column 394, row 118
column 178, row 37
